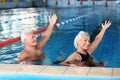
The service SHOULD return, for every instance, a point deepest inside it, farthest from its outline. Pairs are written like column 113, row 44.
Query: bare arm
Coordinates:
column 46, row 35
column 68, row 61
column 99, row 37
column 23, row 56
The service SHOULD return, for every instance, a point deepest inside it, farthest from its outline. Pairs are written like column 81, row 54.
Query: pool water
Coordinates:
column 60, row 45
column 13, row 76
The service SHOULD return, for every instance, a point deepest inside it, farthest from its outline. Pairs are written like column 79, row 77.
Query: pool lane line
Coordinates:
column 12, row 40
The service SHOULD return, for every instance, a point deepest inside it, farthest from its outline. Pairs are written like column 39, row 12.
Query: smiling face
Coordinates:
column 30, row 39
column 83, row 42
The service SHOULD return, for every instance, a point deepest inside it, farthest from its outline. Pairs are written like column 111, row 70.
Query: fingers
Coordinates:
column 53, row 16
column 49, row 18
column 106, row 24
column 53, row 19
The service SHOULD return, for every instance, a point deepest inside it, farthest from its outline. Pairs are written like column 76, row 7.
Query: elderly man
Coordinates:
column 32, row 53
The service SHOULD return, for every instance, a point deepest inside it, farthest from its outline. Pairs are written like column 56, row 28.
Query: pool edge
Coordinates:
column 60, row 70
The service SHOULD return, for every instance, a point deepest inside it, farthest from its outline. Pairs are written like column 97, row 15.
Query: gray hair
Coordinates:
column 23, row 35
column 78, row 36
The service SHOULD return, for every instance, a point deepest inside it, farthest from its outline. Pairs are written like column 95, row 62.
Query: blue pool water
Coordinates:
column 60, row 45
column 13, row 76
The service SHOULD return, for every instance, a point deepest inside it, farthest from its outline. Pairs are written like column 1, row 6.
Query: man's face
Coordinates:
column 30, row 39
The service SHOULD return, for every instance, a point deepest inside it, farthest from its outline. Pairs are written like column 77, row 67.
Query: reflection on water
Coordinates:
column 16, row 20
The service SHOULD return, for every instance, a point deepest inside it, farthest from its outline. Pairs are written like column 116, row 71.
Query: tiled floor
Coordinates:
column 60, row 70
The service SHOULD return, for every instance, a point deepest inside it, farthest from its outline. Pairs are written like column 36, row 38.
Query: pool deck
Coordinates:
column 60, row 70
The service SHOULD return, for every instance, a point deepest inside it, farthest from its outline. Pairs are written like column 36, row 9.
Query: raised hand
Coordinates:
column 52, row 19
column 106, row 24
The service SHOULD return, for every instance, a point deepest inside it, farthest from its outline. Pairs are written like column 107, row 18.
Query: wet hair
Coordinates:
column 23, row 35
column 78, row 36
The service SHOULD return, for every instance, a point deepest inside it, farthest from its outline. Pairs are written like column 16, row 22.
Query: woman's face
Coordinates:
column 83, row 42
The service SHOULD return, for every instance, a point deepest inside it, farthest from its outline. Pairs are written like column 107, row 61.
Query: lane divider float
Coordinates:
column 13, row 40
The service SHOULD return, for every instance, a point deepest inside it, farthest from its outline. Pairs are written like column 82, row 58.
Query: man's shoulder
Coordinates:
column 22, row 55
column 23, row 52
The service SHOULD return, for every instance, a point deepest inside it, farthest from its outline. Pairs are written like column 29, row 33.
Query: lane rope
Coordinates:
column 13, row 40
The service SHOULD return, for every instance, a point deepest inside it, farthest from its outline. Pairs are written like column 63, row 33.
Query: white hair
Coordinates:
column 78, row 36
column 23, row 35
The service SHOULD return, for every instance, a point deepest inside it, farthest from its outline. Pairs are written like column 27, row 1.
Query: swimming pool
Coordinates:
column 61, row 42
column 14, row 76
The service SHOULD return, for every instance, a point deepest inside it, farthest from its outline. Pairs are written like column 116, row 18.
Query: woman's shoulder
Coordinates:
column 74, row 54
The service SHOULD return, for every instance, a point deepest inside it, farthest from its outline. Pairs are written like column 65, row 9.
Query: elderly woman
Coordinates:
column 81, row 57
